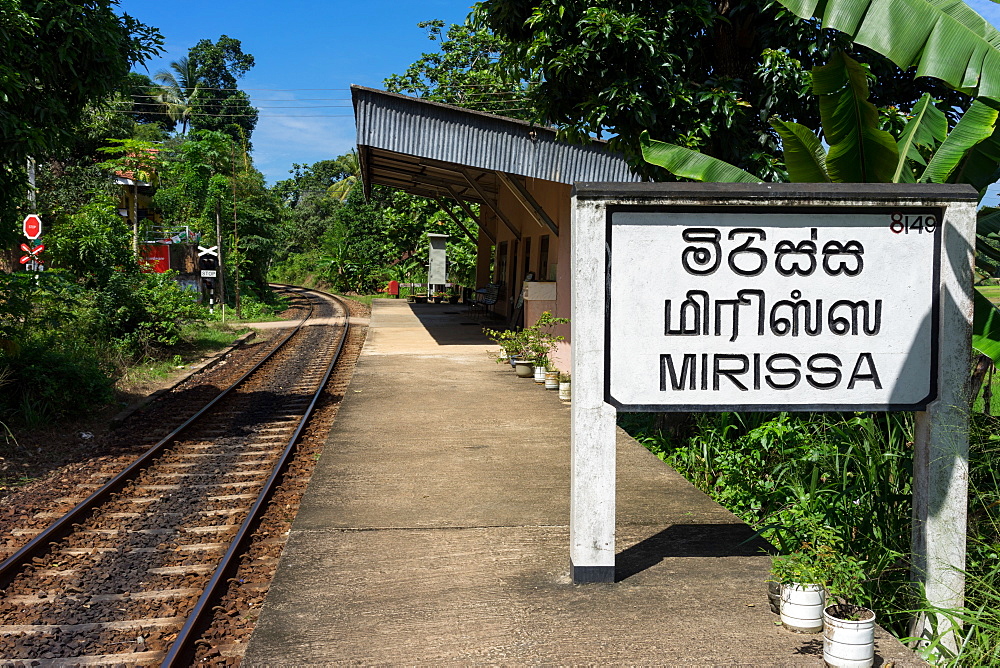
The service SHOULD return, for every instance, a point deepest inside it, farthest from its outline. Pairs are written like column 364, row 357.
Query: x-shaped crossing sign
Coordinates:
column 214, row 250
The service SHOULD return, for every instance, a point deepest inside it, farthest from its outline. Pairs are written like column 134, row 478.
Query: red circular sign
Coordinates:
column 32, row 226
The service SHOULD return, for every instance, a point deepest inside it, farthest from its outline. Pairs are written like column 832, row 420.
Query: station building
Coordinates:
column 518, row 173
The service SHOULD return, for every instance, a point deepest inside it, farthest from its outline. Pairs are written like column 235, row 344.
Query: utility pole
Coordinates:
column 135, row 215
column 31, row 185
column 222, row 273
column 236, row 238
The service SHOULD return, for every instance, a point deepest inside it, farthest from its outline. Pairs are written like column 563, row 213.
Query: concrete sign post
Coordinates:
column 710, row 297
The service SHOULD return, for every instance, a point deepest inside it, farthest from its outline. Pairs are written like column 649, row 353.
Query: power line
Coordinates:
column 163, row 113
column 439, row 85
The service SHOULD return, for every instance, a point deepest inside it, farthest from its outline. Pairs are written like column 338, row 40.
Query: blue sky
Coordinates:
column 298, row 45
column 308, row 44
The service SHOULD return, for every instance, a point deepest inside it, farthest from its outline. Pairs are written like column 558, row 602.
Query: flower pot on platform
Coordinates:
column 848, row 636
column 524, row 368
column 539, row 373
column 802, row 607
column 774, row 596
column 564, row 390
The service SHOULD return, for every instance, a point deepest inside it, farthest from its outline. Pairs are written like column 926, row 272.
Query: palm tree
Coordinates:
column 351, row 167
column 178, row 92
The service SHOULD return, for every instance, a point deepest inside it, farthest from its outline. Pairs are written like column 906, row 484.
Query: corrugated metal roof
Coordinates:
column 388, row 122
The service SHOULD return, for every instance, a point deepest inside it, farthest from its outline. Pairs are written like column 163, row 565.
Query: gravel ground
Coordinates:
column 90, row 451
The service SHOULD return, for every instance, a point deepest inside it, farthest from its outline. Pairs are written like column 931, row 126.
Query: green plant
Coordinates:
column 512, row 342
column 538, row 341
column 819, row 559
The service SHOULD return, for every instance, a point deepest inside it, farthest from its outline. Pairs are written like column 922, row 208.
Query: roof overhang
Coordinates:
column 438, row 150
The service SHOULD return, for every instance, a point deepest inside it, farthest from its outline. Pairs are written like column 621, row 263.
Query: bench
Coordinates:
column 485, row 298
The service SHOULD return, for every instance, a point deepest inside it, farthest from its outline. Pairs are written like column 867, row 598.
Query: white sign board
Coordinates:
column 208, row 273
column 437, row 259
column 771, row 309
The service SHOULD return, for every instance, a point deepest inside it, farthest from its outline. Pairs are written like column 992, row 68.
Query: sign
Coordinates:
column 213, row 251
column 32, row 254
column 32, row 226
column 437, row 259
column 208, row 273
column 778, row 309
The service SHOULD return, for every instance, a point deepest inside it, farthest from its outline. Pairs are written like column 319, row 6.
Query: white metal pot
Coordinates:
column 564, row 392
column 848, row 643
column 539, row 374
column 551, row 380
column 802, row 607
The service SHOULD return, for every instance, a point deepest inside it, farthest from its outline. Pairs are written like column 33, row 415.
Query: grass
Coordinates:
column 364, row 299
column 197, row 340
column 994, row 381
column 853, row 473
column 991, row 292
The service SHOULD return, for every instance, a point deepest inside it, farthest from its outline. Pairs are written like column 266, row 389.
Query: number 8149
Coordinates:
column 904, row 224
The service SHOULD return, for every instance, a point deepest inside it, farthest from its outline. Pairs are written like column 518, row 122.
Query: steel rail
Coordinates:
column 183, row 648
column 62, row 527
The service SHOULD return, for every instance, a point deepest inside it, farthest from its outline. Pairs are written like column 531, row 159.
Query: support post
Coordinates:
column 592, row 438
column 941, row 444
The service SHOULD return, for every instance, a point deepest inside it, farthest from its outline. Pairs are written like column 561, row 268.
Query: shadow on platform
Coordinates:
column 690, row 540
column 452, row 324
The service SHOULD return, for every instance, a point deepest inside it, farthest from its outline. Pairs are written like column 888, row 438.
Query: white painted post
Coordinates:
column 592, row 458
column 941, row 446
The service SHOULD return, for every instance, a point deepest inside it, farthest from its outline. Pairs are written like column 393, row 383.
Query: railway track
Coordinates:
column 131, row 574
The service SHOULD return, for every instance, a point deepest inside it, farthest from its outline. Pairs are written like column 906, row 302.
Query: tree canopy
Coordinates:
column 220, row 105
column 465, row 71
column 704, row 74
column 59, row 57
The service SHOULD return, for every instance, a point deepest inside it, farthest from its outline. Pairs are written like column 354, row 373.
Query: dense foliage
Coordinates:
column 466, row 72
column 333, row 235
column 221, row 106
column 59, row 57
column 851, row 474
column 702, row 74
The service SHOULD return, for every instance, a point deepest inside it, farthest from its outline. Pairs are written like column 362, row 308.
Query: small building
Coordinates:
column 518, row 173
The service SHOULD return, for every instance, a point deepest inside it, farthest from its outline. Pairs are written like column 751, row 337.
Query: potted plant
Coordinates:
column 551, row 378
column 803, row 590
column 812, row 573
column 848, row 628
column 848, row 636
column 564, row 386
column 539, row 342
column 511, row 342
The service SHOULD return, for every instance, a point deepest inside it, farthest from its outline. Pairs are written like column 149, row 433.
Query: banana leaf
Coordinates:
column 986, row 327
column 691, row 164
column 927, row 127
column 944, row 39
column 981, row 167
column 859, row 151
column 805, row 158
column 976, row 124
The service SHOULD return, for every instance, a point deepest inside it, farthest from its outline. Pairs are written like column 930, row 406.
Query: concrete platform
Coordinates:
column 435, row 530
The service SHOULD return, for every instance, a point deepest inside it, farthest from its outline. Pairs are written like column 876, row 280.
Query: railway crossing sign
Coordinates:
column 32, row 226
column 213, row 251
column 32, row 255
